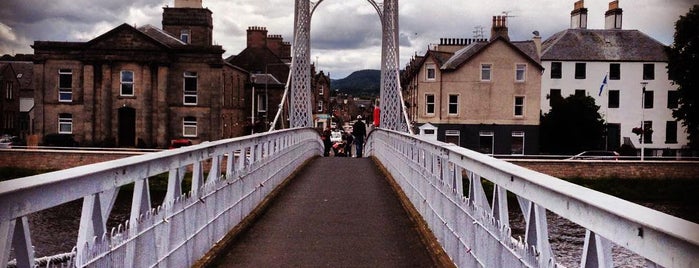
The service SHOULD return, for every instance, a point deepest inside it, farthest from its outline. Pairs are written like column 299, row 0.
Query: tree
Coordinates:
column 683, row 69
column 573, row 125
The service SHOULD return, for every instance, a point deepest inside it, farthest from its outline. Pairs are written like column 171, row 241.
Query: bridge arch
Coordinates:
column 393, row 115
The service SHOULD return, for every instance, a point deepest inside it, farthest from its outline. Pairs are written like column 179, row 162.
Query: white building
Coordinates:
column 578, row 60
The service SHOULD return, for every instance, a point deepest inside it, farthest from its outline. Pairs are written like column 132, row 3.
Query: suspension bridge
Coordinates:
column 418, row 203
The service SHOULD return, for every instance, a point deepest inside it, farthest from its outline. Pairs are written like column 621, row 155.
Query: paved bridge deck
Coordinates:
column 336, row 212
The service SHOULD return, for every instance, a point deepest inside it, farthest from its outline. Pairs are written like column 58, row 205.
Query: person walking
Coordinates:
column 359, row 132
column 327, row 144
column 348, row 144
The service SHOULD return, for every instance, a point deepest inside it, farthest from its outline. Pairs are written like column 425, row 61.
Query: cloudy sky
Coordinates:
column 345, row 34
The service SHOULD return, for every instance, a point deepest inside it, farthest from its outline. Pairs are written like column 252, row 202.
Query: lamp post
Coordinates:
column 643, row 123
column 252, row 120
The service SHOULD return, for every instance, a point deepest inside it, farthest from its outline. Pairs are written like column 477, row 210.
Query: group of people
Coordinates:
column 344, row 147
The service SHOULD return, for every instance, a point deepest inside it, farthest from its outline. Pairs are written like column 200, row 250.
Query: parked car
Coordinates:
column 6, row 141
column 596, row 155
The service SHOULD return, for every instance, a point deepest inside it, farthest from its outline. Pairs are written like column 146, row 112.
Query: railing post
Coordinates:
column 597, row 251
column 15, row 233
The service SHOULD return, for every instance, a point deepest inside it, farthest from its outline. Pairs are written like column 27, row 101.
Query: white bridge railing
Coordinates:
column 445, row 182
column 241, row 172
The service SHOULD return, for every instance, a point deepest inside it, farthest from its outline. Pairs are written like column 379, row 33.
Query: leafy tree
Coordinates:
column 572, row 125
column 683, row 68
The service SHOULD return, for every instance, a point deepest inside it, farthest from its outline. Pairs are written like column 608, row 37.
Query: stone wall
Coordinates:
column 614, row 169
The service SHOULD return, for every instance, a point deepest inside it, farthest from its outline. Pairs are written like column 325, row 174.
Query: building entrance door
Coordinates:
column 127, row 127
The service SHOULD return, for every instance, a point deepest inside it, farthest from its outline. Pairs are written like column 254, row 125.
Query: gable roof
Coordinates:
column 160, row 35
column 602, row 45
column 260, row 60
column 526, row 49
column 148, row 34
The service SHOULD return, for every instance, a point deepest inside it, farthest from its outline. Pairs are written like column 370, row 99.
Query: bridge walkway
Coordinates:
column 338, row 212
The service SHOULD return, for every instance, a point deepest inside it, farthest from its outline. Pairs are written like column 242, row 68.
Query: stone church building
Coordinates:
column 141, row 86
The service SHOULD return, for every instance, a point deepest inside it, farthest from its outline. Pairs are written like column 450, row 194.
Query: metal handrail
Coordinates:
column 241, row 172
column 475, row 231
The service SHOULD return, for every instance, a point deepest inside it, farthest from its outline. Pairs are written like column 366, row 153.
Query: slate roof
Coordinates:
column 24, row 71
column 602, row 45
column 526, row 48
column 160, row 35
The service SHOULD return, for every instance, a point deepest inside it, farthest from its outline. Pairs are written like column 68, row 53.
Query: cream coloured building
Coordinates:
column 479, row 94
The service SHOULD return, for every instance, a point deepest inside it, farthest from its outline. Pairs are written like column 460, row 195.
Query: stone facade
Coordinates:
column 139, row 87
column 483, row 95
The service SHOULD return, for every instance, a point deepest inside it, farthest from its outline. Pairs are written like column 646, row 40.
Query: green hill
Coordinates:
column 359, row 83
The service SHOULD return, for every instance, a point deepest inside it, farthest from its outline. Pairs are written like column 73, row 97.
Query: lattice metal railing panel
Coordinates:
column 446, row 184
column 300, row 110
column 241, row 173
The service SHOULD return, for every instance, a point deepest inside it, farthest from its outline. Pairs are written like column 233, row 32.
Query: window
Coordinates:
column 429, row 104
column 431, row 71
column 127, row 83
column 614, row 71
column 580, row 72
column 320, row 106
column 671, row 132
column 648, row 128
column 321, row 91
column 8, row 90
column 452, row 136
column 485, row 72
column 648, row 99
column 453, row 104
column 65, row 85
column 184, row 36
column 519, row 106
column 672, row 99
column 486, row 142
column 580, row 93
column 517, row 143
column 520, row 71
column 648, row 71
column 189, row 126
column 613, row 101
column 190, row 88
column 554, row 95
column 65, row 123
column 556, row 70
column 262, row 103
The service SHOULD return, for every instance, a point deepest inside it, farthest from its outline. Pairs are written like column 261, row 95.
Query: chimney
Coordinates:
column 578, row 17
column 274, row 43
column 188, row 4
column 537, row 42
column 257, row 37
column 612, row 18
column 499, row 28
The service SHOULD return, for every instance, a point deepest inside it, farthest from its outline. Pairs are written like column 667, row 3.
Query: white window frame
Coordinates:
column 522, row 105
column 449, row 103
column 186, row 34
column 320, row 105
column 127, row 83
column 490, row 134
column 520, row 72
column 428, row 103
column 190, row 93
column 519, row 134
column 65, row 121
column 453, row 133
column 320, row 92
column 430, row 67
column 8, row 90
column 67, row 91
column 489, row 68
column 261, row 103
column 189, row 124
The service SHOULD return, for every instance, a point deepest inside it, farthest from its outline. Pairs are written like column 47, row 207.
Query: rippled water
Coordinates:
column 55, row 230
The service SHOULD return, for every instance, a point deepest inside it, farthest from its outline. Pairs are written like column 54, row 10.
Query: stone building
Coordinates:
column 479, row 94
column 140, row 86
column 624, row 70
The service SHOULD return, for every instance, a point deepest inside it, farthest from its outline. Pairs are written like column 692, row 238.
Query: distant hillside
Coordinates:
column 359, row 83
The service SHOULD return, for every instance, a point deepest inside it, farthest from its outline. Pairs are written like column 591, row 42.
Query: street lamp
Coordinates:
column 252, row 120
column 643, row 123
